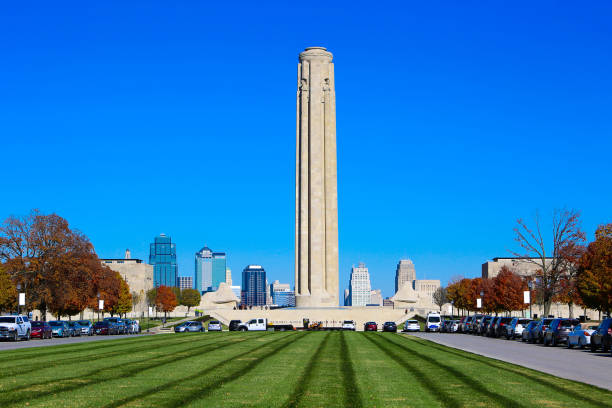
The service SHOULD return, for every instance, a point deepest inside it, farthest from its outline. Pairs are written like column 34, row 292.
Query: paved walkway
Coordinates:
column 13, row 345
column 573, row 364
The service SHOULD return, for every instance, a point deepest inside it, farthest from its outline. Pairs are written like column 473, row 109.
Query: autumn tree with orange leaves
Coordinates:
column 594, row 278
column 508, row 288
column 165, row 299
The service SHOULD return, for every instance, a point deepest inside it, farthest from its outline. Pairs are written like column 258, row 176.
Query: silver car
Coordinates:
column 580, row 336
column 214, row 325
column 190, row 326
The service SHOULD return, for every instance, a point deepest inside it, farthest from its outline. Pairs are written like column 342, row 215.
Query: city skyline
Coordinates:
column 445, row 135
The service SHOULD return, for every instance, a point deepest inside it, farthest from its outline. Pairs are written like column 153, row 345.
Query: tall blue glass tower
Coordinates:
column 162, row 256
column 253, row 286
column 209, row 269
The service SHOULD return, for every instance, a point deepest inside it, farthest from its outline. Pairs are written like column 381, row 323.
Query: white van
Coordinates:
column 433, row 322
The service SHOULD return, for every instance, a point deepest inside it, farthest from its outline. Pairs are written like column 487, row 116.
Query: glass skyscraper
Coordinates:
column 282, row 295
column 253, row 286
column 162, row 256
column 209, row 269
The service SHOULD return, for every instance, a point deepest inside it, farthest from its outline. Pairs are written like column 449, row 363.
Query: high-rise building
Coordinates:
column 404, row 273
column 163, row 258
column 184, row 282
column 282, row 295
column 253, row 286
column 218, row 270
column 203, row 269
column 346, row 297
column 228, row 277
column 237, row 291
column 359, row 286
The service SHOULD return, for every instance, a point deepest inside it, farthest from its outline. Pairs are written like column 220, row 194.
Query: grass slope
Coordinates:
column 306, row 369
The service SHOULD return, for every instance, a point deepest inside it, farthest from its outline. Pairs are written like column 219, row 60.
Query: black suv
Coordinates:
column 602, row 337
column 389, row 327
column 233, row 325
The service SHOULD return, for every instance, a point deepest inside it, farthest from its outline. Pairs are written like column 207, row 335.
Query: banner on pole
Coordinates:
column 101, row 304
column 150, row 310
column 21, row 299
column 479, row 303
column 526, row 298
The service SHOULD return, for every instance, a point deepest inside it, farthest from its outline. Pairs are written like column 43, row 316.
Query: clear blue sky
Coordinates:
column 131, row 119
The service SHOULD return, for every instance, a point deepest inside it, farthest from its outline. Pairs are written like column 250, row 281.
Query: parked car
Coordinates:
column 105, row 327
column 433, row 322
column 60, row 328
column 558, row 330
column 190, row 326
column 481, row 329
column 214, row 325
column 540, row 329
column 580, row 337
column 86, row 327
column 454, row 326
column 389, row 327
column 490, row 332
column 602, row 337
column 75, row 329
column 234, row 324
column 412, row 326
column 119, row 324
column 370, row 326
column 462, row 324
column 15, row 327
column 475, row 323
column 41, row 330
column 348, row 325
column 500, row 326
column 528, row 335
column 515, row 328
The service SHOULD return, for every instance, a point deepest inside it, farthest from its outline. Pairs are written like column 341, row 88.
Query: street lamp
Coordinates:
column 18, row 286
column 452, row 310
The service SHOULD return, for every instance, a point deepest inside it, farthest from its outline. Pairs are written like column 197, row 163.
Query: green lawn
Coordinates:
column 322, row 369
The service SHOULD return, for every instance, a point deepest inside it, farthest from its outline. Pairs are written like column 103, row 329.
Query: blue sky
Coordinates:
column 453, row 121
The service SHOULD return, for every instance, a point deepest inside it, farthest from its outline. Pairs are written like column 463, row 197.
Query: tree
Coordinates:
column 439, row 297
column 508, row 288
column 177, row 294
column 567, row 237
column 165, row 299
column 124, row 300
column 150, row 296
column 594, row 277
column 8, row 292
column 190, row 298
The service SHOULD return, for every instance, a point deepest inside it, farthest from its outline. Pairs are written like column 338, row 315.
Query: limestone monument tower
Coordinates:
column 316, row 203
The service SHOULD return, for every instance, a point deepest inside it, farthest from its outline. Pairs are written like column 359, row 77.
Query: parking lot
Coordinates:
column 13, row 345
column 578, row 365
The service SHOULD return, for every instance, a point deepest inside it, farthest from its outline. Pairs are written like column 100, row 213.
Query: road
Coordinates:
column 13, row 345
column 578, row 365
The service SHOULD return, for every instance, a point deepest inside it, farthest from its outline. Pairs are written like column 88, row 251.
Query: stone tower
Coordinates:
column 316, row 204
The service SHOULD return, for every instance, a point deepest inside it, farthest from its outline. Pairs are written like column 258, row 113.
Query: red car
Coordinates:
column 41, row 330
column 370, row 326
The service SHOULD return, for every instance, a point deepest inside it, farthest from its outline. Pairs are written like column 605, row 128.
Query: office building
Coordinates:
column 253, row 286
column 282, row 295
column 185, row 282
column 405, row 273
column 359, row 286
column 376, row 298
column 237, row 291
column 210, row 270
column 219, row 270
column 162, row 256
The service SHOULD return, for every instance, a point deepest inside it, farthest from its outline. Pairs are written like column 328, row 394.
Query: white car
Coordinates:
column 214, row 325
column 580, row 337
column 412, row 326
column 253, row 325
column 515, row 328
column 15, row 327
column 348, row 325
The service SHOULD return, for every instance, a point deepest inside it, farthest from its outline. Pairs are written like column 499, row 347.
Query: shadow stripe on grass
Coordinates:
column 296, row 397
column 93, row 376
column 474, row 384
column 203, row 392
column 513, row 368
column 351, row 389
column 62, row 361
column 430, row 385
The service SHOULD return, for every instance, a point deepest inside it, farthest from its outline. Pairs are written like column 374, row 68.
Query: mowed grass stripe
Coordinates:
column 527, row 381
column 194, row 382
column 383, row 381
column 37, row 353
column 429, row 381
column 271, row 382
column 111, row 369
column 349, row 382
column 111, row 350
column 471, row 379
